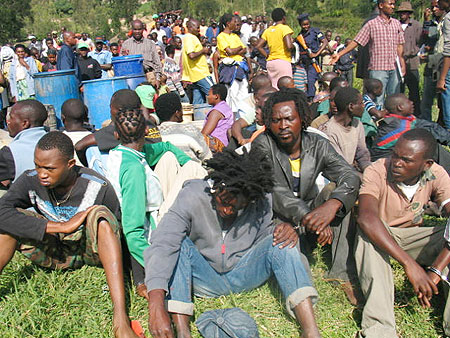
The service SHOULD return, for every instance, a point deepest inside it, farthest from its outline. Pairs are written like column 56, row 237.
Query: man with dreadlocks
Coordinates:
column 298, row 157
column 143, row 192
column 218, row 238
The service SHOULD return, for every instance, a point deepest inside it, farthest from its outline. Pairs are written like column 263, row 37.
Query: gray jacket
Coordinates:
column 193, row 215
column 317, row 155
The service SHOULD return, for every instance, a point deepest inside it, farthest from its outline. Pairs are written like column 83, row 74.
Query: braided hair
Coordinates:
column 130, row 125
column 249, row 173
column 284, row 95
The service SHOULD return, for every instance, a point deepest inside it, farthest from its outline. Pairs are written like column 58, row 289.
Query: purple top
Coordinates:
column 224, row 124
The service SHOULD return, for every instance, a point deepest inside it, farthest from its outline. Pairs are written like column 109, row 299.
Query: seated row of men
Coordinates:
column 252, row 216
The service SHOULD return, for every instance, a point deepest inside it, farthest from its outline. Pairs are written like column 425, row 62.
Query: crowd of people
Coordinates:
column 289, row 156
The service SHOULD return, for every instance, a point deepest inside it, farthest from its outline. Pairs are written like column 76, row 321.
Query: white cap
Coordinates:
column 243, row 17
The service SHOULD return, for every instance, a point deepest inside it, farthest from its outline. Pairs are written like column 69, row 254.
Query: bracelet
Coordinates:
column 439, row 273
column 296, row 227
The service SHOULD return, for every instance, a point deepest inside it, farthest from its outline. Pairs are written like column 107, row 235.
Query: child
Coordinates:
column 373, row 88
column 285, row 82
column 220, row 117
column 346, row 63
column 328, row 82
column 399, row 120
column 173, row 72
column 147, row 92
column 50, row 65
column 74, row 115
column 345, row 132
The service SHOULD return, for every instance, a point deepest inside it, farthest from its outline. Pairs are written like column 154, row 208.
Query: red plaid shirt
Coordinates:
column 383, row 37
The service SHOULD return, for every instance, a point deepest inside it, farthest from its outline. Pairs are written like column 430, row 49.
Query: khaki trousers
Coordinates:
column 377, row 282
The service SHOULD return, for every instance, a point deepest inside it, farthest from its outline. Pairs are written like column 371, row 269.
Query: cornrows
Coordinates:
column 130, row 125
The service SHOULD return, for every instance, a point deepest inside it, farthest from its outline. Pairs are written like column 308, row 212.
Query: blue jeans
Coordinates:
column 446, row 102
column 253, row 269
column 200, row 90
column 390, row 80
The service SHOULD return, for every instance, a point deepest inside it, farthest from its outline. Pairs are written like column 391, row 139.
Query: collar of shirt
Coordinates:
column 426, row 176
column 138, row 41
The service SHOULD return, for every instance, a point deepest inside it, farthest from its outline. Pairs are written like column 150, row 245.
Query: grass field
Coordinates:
column 41, row 303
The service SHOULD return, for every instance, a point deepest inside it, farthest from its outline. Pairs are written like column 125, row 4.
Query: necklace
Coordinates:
column 58, row 203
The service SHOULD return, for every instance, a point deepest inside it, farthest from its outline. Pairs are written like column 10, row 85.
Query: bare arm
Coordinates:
column 236, row 131
column 402, row 60
column 195, row 55
column 82, row 145
column 213, row 118
column 215, row 59
column 260, row 47
column 233, row 51
column 372, row 226
column 288, row 41
column 322, row 47
column 440, row 86
column 159, row 320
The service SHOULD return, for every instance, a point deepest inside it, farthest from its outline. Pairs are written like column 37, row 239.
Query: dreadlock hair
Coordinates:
column 57, row 140
column 285, row 95
column 130, row 125
column 249, row 173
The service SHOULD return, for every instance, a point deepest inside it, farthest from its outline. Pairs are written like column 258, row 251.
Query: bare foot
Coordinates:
column 122, row 329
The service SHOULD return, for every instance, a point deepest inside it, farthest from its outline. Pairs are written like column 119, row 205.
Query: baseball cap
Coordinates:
column 82, row 45
column 146, row 93
column 99, row 39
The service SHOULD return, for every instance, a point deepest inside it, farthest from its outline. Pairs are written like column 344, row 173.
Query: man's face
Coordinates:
column 164, row 40
column 260, row 100
column 406, row 106
column 437, row 12
column 52, row 168
column 286, row 123
column 165, row 23
column 49, row 44
column 115, row 50
column 137, row 30
column 177, row 42
column 404, row 16
column 71, row 40
column 227, row 205
column 83, row 52
column 357, row 108
column 157, row 25
column 15, row 122
column 387, row 7
column 99, row 46
column 51, row 58
column 193, row 28
column 408, row 162
column 214, row 41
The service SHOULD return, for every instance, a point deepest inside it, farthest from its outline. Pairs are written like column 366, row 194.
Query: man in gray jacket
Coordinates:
column 298, row 157
column 218, row 238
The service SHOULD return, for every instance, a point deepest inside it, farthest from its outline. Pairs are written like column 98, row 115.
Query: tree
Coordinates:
column 13, row 14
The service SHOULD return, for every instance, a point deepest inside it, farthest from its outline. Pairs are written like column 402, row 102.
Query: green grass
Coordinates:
column 35, row 302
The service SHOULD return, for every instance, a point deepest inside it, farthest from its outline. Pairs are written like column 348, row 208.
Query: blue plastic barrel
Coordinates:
column 128, row 65
column 97, row 95
column 135, row 80
column 201, row 110
column 55, row 88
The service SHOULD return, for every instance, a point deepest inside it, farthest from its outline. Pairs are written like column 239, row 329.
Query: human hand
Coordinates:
column 285, row 234
column 244, row 141
column 158, row 318
column 440, row 86
column 423, row 285
column 435, row 278
column 71, row 225
column 316, row 220
column 325, row 237
column 334, row 59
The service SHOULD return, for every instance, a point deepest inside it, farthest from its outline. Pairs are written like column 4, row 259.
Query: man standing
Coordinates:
column 392, row 199
column 386, row 39
column 137, row 44
column 35, row 44
column 218, row 238
column 195, row 65
column 66, row 58
column 89, row 68
column 298, row 157
column 413, row 32
column 73, row 224
column 103, row 57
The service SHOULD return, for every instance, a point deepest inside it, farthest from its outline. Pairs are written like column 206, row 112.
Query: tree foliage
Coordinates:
column 12, row 14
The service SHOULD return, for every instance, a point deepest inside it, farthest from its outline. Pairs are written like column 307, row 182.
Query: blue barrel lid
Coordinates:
column 127, row 57
column 55, row 73
column 115, row 78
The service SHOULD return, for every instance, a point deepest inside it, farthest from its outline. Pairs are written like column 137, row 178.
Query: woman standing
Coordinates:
column 233, row 68
column 279, row 40
column 20, row 75
column 315, row 43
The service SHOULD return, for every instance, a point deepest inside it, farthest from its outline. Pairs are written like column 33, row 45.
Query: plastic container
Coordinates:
column 201, row 110
column 135, row 80
column 54, row 88
column 97, row 95
column 128, row 65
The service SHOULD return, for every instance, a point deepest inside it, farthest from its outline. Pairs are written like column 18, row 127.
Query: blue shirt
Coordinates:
column 313, row 39
column 66, row 60
column 104, row 57
column 168, row 31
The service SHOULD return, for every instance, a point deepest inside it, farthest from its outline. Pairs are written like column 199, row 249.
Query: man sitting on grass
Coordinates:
column 218, row 238
column 74, row 222
column 392, row 198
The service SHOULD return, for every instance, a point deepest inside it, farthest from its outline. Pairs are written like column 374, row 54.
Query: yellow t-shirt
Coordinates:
column 274, row 36
column 196, row 69
column 295, row 168
column 225, row 40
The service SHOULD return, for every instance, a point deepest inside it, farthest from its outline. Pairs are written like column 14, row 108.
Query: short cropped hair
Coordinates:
column 221, row 90
column 424, row 136
column 278, row 14
column 57, row 140
column 345, row 96
column 166, row 105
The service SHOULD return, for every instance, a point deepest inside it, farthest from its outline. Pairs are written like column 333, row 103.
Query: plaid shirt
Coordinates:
column 383, row 37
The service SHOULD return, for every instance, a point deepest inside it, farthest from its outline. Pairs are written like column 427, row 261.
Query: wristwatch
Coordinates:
column 439, row 273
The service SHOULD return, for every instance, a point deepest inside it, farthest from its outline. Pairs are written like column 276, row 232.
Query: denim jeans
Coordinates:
column 390, row 80
column 429, row 93
column 200, row 90
column 446, row 102
column 253, row 269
